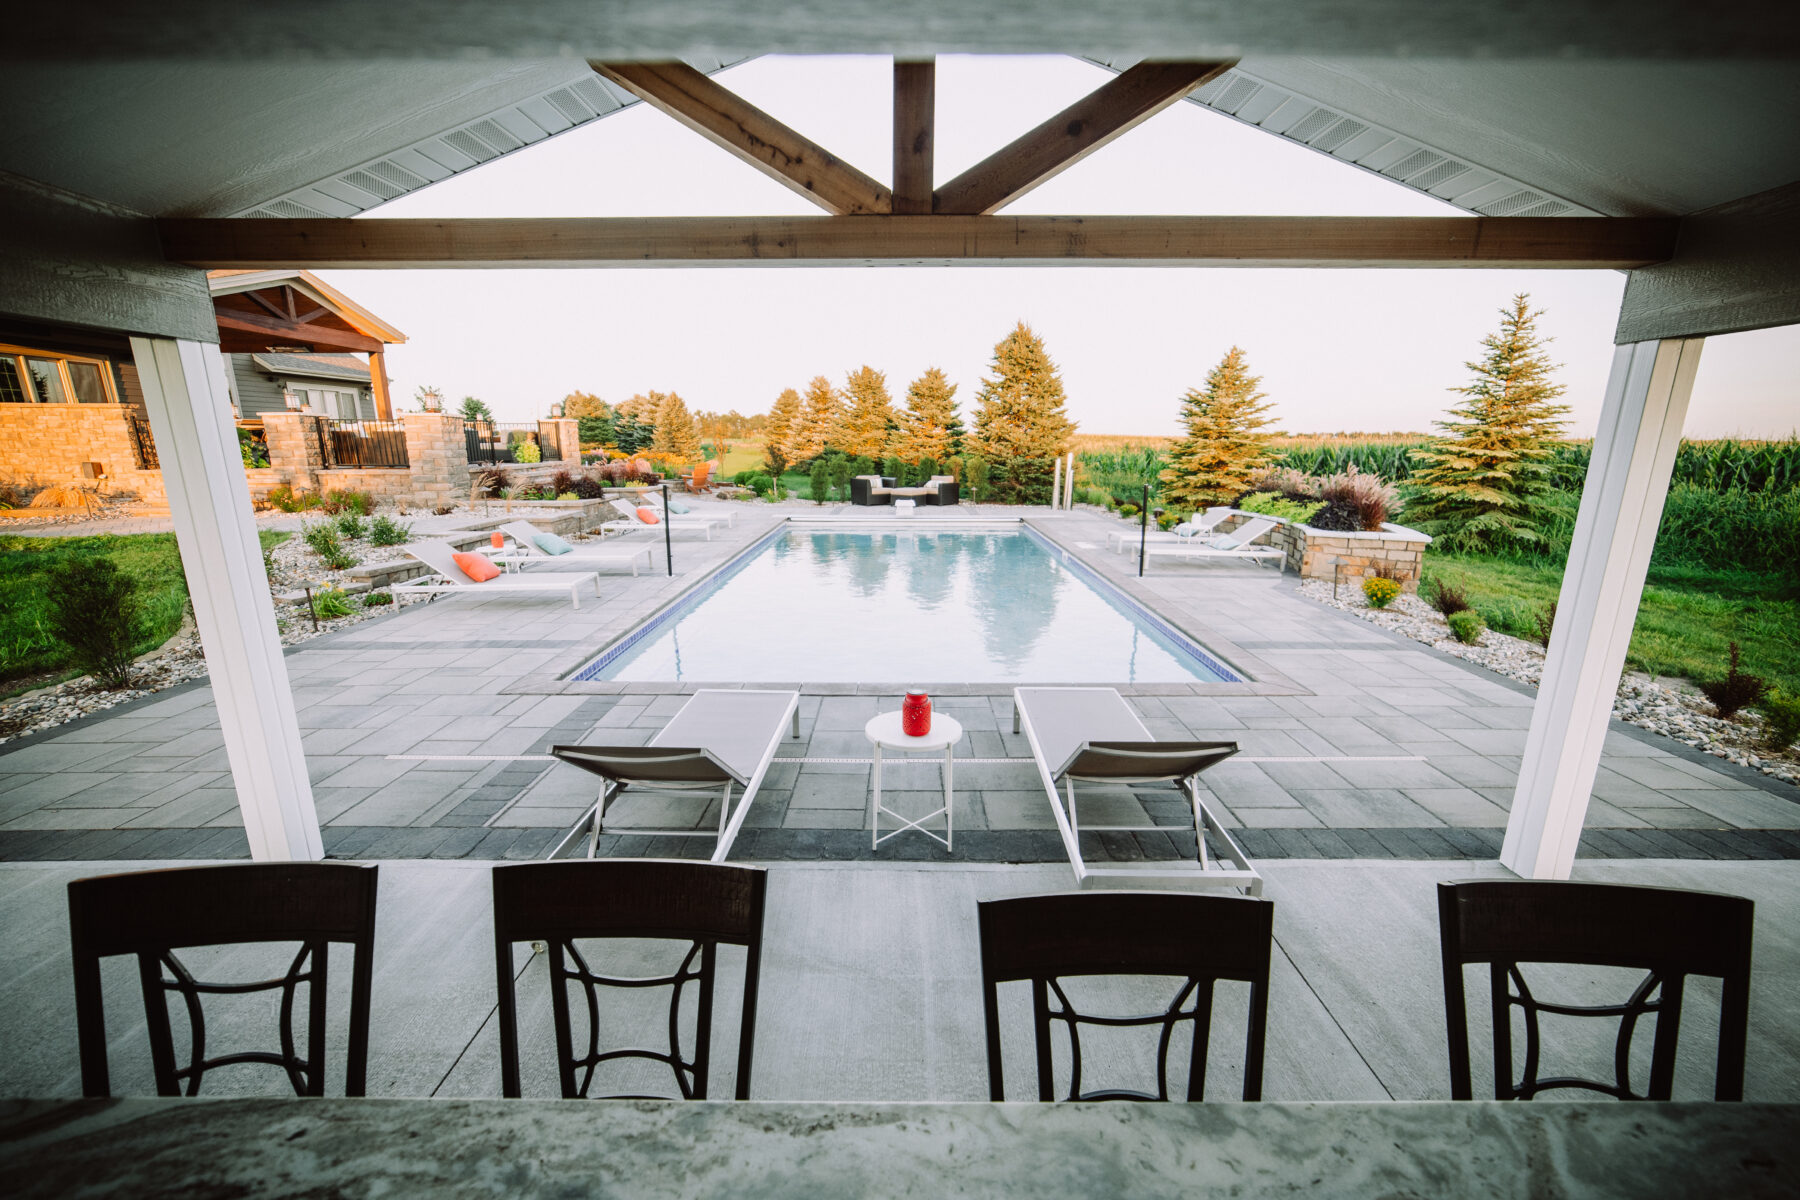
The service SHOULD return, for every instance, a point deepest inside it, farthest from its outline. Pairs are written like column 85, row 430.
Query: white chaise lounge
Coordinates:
column 1183, row 534
column 585, row 554
column 629, row 522
column 449, row 578
column 1091, row 735
column 720, row 738
column 1228, row 546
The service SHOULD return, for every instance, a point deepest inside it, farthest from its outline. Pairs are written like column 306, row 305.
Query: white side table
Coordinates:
column 904, row 508
column 884, row 730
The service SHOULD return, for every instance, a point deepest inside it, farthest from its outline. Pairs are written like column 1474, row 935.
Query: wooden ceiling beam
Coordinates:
column 341, row 243
column 915, row 119
column 269, row 332
column 734, row 124
column 1116, row 107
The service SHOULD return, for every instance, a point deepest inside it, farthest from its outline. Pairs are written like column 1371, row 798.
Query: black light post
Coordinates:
column 668, row 537
column 1143, row 529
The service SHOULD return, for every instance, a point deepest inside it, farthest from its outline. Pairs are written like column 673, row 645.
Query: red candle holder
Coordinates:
column 499, row 540
column 915, row 714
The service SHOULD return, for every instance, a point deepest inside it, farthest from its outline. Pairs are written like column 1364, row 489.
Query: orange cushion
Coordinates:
column 476, row 566
column 648, row 516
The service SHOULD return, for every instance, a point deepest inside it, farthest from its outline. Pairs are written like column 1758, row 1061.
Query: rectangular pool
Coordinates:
column 840, row 606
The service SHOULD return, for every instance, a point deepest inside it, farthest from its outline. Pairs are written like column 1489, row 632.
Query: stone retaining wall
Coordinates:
column 43, row 444
column 1329, row 553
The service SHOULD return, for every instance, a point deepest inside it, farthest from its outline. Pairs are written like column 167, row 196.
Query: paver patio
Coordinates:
column 427, row 732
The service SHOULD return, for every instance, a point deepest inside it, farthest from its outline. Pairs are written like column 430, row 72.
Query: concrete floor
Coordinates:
column 426, row 735
column 870, row 989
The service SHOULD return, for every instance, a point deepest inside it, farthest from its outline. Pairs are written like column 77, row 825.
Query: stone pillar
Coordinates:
column 187, row 400
column 295, row 447
column 1615, row 530
column 437, row 455
column 568, row 434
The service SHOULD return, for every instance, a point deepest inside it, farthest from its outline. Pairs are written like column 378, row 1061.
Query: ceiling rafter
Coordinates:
column 1115, row 108
column 915, row 134
column 734, row 124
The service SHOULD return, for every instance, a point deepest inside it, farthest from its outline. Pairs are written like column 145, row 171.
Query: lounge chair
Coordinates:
column 629, row 521
column 716, row 513
column 586, row 554
column 450, row 578
column 1182, row 535
column 1091, row 735
column 719, row 738
column 1234, row 545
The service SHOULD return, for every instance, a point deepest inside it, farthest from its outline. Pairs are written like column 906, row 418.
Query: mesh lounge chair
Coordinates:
column 1182, row 535
column 450, row 578
column 524, row 534
column 1091, row 735
column 630, row 522
column 1228, row 546
column 720, row 738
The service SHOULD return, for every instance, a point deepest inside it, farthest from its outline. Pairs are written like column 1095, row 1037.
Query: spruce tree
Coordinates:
column 1485, row 474
column 926, row 426
column 1222, row 443
column 1019, row 413
column 821, row 421
column 675, row 436
column 871, row 412
column 782, row 422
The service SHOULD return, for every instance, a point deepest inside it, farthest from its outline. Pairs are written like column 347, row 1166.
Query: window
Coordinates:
column 34, row 377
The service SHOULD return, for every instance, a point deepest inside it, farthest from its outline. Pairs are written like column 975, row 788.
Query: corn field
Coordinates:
column 1122, row 472
column 1392, row 461
column 1715, row 466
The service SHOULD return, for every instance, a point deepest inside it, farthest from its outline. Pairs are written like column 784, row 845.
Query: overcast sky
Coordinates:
column 1338, row 350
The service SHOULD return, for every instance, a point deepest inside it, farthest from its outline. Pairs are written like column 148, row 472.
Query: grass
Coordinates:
column 1688, row 616
column 742, row 455
column 29, row 652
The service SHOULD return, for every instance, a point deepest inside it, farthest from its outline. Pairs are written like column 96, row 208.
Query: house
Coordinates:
column 332, row 385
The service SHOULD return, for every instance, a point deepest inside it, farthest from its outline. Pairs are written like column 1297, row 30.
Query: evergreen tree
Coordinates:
column 474, row 410
column 1019, row 413
column 930, row 428
column 871, row 413
column 820, row 486
column 675, row 434
column 783, row 419
column 1486, row 472
column 592, row 416
column 1222, row 443
column 820, row 423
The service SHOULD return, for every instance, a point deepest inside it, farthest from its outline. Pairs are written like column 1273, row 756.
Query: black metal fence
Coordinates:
column 143, row 445
column 494, row 442
column 367, row 444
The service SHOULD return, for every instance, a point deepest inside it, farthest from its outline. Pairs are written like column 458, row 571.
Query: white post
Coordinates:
column 1056, row 481
column 1621, row 507
column 187, row 399
column 1069, row 483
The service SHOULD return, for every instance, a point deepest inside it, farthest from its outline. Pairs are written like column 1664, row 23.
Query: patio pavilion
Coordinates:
column 150, row 145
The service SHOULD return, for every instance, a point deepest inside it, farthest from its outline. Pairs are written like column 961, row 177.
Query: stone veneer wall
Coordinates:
column 47, row 443
column 1325, row 553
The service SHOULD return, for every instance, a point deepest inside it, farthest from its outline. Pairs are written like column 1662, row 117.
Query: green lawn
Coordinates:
column 1687, row 618
column 28, row 649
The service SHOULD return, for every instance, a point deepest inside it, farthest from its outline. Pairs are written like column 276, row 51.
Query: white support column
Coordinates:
column 187, row 398
column 1069, row 484
column 1621, row 506
column 1056, row 465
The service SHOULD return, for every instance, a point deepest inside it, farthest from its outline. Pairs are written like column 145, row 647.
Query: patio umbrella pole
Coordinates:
column 1143, row 529
column 668, row 538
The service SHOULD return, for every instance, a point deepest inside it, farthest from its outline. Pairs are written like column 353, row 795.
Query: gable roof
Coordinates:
column 314, row 366
column 354, row 315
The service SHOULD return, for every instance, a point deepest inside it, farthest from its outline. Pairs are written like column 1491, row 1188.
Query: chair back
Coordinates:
column 1667, row 933
column 438, row 556
column 525, row 535
column 559, row 902
column 1246, row 533
column 701, row 473
column 1198, row 940
column 152, row 914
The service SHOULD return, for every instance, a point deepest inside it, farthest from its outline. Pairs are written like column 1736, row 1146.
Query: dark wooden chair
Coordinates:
column 556, row 903
column 152, row 914
column 1196, row 939
column 1668, row 933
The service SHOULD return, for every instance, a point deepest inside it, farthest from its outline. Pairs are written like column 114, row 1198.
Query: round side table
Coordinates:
column 883, row 730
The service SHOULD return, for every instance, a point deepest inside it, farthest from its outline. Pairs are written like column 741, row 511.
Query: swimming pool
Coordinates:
column 814, row 605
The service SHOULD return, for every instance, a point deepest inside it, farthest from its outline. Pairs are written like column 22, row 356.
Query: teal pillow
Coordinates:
column 549, row 543
column 678, row 505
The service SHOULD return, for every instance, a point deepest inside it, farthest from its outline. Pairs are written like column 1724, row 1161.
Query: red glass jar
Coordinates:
column 498, row 539
column 915, row 715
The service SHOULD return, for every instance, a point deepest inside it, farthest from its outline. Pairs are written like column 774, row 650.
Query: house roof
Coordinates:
column 314, row 366
column 352, row 314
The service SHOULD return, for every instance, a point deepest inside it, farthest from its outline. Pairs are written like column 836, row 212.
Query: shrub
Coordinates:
column 1448, row 599
column 360, row 503
column 352, row 526
column 820, row 482
column 588, row 488
column 1371, row 498
column 1024, row 480
column 562, row 482
column 840, row 477
column 340, row 560
column 493, row 481
column 1466, row 625
column 323, row 538
column 251, row 450
column 290, row 501
column 1285, row 481
column 1270, row 505
column 977, row 471
column 761, row 483
column 1129, row 510
column 1380, row 592
column 1168, row 520
column 93, row 609
column 1546, row 624
column 1738, row 690
column 1781, row 720
column 331, row 603
column 377, row 599
column 527, row 451
column 1338, row 517
column 567, row 496
column 385, row 531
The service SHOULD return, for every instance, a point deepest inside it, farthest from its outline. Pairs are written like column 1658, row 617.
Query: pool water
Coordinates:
column 833, row 606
